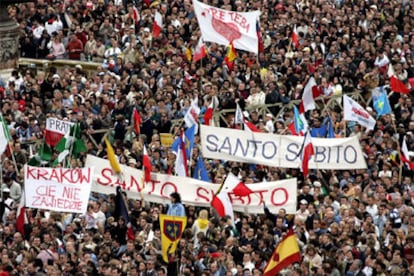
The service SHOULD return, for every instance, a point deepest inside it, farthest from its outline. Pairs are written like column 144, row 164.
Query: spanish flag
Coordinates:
column 172, row 228
column 230, row 56
column 286, row 253
column 111, row 157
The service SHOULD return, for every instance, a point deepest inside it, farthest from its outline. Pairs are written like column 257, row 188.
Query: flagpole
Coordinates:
column 13, row 158
column 9, row 139
column 1, row 177
column 398, row 149
column 72, row 145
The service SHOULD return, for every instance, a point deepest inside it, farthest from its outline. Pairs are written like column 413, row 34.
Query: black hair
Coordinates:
column 176, row 196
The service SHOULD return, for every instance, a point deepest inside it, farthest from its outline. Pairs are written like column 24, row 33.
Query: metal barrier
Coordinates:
column 332, row 101
column 322, row 103
column 42, row 64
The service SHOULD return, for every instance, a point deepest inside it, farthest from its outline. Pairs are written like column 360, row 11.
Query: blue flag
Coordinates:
column 331, row 132
column 200, row 171
column 380, row 100
column 319, row 132
column 189, row 139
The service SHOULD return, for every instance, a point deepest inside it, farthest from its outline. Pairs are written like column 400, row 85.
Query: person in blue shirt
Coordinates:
column 176, row 208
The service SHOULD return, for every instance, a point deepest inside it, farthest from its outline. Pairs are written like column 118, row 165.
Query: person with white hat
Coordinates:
column 7, row 204
column 269, row 126
column 303, row 211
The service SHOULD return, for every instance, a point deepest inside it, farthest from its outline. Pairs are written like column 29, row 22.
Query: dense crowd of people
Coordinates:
column 349, row 222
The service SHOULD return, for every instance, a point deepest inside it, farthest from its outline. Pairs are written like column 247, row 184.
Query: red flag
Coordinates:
column 147, row 2
column 405, row 157
column 137, row 122
column 241, row 189
column 136, row 15
column 292, row 128
column 221, row 203
column 21, row 218
column 249, row 126
column 396, row 84
column 295, row 38
column 157, row 27
column 147, row 166
column 259, row 38
column 310, row 92
column 208, row 115
column 200, row 51
column 306, row 153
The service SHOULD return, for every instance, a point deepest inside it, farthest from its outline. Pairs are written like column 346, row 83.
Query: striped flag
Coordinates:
column 5, row 137
column 230, row 56
column 286, row 253
column 157, row 27
column 200, row 50
column 306, row 153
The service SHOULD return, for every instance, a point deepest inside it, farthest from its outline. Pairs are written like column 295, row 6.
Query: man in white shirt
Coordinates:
column 37, row 29
column 371, row 208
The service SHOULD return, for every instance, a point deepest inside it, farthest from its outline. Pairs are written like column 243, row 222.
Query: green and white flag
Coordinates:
column 43, row 156
column 5, row 137
column 71, row 143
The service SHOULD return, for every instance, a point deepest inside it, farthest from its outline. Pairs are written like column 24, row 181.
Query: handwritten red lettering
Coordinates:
column 274, row 197
column 30, row 172
column 105, row 178
column 204, row 194
column 166, row 192
column 84, row 177
column 243, row 200
column 55, row 176
column 41, row 174
column 133, row 182
column 59, row 175
column 46, row 190
column 260, row 194
column 240, row 20
column 121, row 183
column 219, row 14
column 360, row 112
column 153, row 183
column 71, row 193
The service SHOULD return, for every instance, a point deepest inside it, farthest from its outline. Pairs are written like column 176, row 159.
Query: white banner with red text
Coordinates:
column 278, row 194
column 279, row 150
column 224, row 26
column 57, row 189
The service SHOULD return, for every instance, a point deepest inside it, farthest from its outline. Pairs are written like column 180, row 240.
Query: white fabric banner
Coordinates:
column 353, row 111
column 58, row 126
column 278, row 194
column 223, row 26
column 279, row 150
column 3, row 138
column 57, row 189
